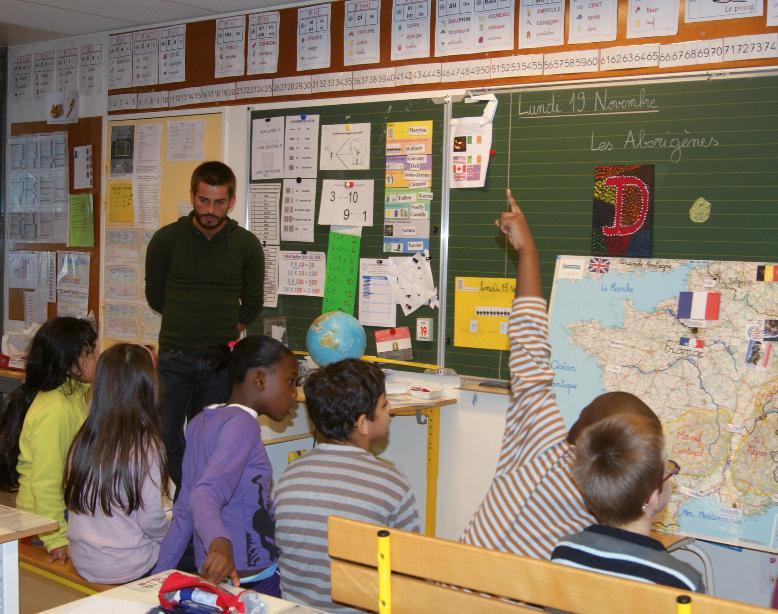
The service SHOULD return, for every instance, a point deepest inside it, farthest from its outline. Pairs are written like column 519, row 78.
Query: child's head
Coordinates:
column 263, row 375
column 620, row 468
column 344, row 395
column 63, row 347
column 610, row 404
column 109, row 455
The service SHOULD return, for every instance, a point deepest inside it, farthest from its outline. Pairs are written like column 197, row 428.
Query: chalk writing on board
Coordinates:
column 674, row 142
column 586, row 102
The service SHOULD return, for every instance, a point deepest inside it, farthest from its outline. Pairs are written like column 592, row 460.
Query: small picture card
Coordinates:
column 394, row 343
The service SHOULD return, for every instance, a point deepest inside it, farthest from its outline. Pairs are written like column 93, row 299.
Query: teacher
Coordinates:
column 204, row 274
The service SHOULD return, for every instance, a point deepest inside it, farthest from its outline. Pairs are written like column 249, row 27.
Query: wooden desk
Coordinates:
column 10, row 380
column 143, row 594
column 15, row 525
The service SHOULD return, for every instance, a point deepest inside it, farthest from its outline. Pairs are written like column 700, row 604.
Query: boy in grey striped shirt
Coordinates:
column 347, row 404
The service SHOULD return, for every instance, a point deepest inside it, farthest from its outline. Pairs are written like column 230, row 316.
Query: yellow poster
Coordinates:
column 482, row 306
column 120, row 209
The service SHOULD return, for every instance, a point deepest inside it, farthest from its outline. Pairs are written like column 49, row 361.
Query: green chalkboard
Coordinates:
column 712, row 138
column 300, row 311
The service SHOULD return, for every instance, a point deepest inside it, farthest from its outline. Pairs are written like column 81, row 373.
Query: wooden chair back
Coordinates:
column 428, row 574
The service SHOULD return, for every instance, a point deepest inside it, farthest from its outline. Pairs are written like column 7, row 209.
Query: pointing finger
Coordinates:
column 512, row 201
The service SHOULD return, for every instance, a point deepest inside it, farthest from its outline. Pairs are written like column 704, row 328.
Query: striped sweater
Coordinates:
column 532, row 502
column 332, row 480
column 628, row 555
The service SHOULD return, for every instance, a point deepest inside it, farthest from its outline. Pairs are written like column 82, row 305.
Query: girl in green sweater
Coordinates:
column 41, row 418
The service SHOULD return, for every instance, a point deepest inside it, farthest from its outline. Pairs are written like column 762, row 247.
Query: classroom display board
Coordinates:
column 337, row 193
column 697, row 340
column 711, row 144
column 150, row 164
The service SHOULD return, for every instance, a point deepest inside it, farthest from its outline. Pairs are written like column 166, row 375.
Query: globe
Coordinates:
column 334, row 336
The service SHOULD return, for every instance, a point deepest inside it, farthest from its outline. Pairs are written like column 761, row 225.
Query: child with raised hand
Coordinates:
column 116, row 471
column 225, row 498
column 347, row 404
column 624, row 475
column 533, row 501
column 41, row 418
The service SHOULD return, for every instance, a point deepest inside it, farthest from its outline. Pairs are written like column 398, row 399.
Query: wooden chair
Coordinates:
column 426, row 571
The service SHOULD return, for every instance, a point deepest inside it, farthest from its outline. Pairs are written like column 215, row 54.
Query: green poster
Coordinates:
column 340, row 286
column 81, row 221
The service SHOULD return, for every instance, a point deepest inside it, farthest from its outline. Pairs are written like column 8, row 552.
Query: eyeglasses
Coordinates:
column 673, row 469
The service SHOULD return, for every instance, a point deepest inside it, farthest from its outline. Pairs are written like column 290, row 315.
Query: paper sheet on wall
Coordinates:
column 264, row 29
column 362, row 32
column 298, row 208
column 709, row 10
column 148, row 142
column 172, row 54
column 121, row 281
column 120, row 208
column 82, row 167
column 121, row 245
column 53, row 227
column 341, row 281
column 149, row 322
column 67, row 69
column 23, row 191
column 541, row 23
column 301, row 146
column 376, row 300
column 121, row 320
column 52, row 190
column 473, row 27
column 186, row 140
column 652, row 18
column 270, row 288
column 145, row 58
column 23, row 154
column 73, row 271
column 122, row 148
column 62, row 107
column 314, row 24
column 592, row 22
column 345, row 147
column 470, row 145
column 412, row 283
column 119, row 61
column 301, row 273
column 267, row 148
column 22, row 78
column 81, row 221
column 35, row 307
column 410, row 29
column 22, row 269
column 346, row 201
column 394, row 343
column 43, row 73
column 772, row 12
column 482, row 306
column 145, row 200
column 22, row 226
column 90, row 71
column 230, row 46
column 264, row 211
column 72, row 304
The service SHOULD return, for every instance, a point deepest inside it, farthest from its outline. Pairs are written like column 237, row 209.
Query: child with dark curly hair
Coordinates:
column 347, row 405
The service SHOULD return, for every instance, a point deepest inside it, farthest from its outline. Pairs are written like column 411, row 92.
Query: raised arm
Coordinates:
column 514, row 226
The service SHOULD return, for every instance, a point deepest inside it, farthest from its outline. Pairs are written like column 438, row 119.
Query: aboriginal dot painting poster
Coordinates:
column 622, row 212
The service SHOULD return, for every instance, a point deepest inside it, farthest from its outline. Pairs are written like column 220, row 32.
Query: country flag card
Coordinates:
column 698, row 305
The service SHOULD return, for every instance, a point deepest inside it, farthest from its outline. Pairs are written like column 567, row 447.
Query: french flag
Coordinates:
column 692, row 343
column 698, row 305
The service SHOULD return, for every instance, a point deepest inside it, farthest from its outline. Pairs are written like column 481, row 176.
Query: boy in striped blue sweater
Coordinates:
column 625, row 478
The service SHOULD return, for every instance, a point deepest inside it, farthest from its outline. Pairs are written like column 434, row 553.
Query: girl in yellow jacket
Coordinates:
column 41, row 418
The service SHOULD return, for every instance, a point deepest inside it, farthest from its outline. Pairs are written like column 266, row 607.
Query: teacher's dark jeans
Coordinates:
column 190, row 382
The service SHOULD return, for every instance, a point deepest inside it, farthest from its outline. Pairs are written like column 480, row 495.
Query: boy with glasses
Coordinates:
column 624, row 476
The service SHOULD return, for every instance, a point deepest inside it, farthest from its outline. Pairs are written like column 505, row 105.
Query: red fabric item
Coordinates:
column 176, row 581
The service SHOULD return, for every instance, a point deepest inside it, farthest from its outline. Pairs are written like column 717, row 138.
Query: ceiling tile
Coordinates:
column 29, row 14
column 142, row 12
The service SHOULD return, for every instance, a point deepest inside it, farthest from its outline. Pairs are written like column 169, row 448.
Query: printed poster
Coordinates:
column 709, row 10
column 482, row 306
column 263, row 42
column 301, row 273
column 267, row 148
column 410, row 29
column 592, row 22
column 313, row 37
column 473, row 27
column 345, row 147
column 652, row 18
column 394, row 343
column 362, row 39
column 230, row 46
column 623, row 211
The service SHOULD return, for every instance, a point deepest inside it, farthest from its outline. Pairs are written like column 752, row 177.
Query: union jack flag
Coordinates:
column 599, row 265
